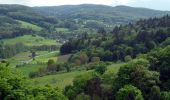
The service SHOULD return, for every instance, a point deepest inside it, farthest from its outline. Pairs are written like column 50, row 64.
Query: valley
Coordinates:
column 84, row 52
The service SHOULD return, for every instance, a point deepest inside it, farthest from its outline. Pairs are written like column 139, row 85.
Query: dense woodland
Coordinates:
column 129, row 40
column 142, row 47
column 146, row 77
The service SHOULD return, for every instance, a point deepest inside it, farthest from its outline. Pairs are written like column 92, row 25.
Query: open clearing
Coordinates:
column 30, row 40
column 29, row 26
column 39, row 62
column 23, row 59
column 63, row 79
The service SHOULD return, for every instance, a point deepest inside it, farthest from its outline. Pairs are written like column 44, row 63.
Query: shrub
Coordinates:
column 82, row 96
column 128, row 58
column 165, row 95
column 155, row 93
column 129, row 92
column 101, row 69
column 95, row 59
column 50, row 62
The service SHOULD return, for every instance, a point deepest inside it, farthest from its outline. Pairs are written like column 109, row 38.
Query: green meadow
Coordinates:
column 61, row 80
column 30, row 40
column 29, row 26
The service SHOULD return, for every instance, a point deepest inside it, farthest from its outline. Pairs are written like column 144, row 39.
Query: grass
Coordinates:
column 39, row 62
column 21, row 58
column 29, row 26
column 58, row 80
column 114, row 68
column 26, row 69
column 30, row 40
column 46, row 56
column 62, row 29
column 63, row 79
column 17, row 59
column 63, row 58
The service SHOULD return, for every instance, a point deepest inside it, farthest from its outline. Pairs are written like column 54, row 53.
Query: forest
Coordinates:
column 144, row 77
column 46, row 56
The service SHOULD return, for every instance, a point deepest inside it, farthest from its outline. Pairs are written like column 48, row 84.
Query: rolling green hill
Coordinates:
column 101, row 13
column 129, row 61
column 27, row 43
column 16, row 20
column 30, row 40
column 27, row 25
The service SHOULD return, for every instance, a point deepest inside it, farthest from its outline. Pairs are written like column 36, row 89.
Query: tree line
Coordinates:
column 7, row 51
column 140, row 79
column 128, row 40
column 13, row 86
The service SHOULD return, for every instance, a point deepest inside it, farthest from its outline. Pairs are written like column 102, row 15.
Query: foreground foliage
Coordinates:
column 129, row 92
column 134, row 81
column 14, row 87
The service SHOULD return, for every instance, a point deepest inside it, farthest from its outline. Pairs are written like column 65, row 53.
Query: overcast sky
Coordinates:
column 154, row 4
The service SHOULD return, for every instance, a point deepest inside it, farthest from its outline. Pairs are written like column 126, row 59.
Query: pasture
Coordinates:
column 63, row 79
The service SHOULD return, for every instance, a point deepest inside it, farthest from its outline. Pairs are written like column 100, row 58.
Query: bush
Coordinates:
column 155, row 93
column 33, row 74
column 128, row 58
column 136, row 72
column 95, row 59
column 101, row 69
column 93, row 65
column 46, row 93
column 129, row 92
column 79, row 58
column 50, row 62
column 165, row 95
column 79, row 85
column 82, row 96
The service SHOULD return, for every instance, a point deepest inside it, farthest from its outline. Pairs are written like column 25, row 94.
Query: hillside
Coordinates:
column 107, row 14
column 17, row 20
column 13, row 46
column 145, row 47
column 25, row 13
column 102, row 55
column 68, row 21
column 125, row 40
column 29, row 40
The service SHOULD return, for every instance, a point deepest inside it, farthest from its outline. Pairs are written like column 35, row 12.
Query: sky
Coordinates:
column 153, row 4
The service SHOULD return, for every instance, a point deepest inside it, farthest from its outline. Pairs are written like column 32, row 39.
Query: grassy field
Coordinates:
column 58, row 80
column 18, row 59
column 26, row 69
column 46, row 56
column 114, row 68
column 62, row 29
column 39, row 62
column 64, row 79
column 42, row 57
column 29, row 26
column 63, row 58
column 30, row 40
